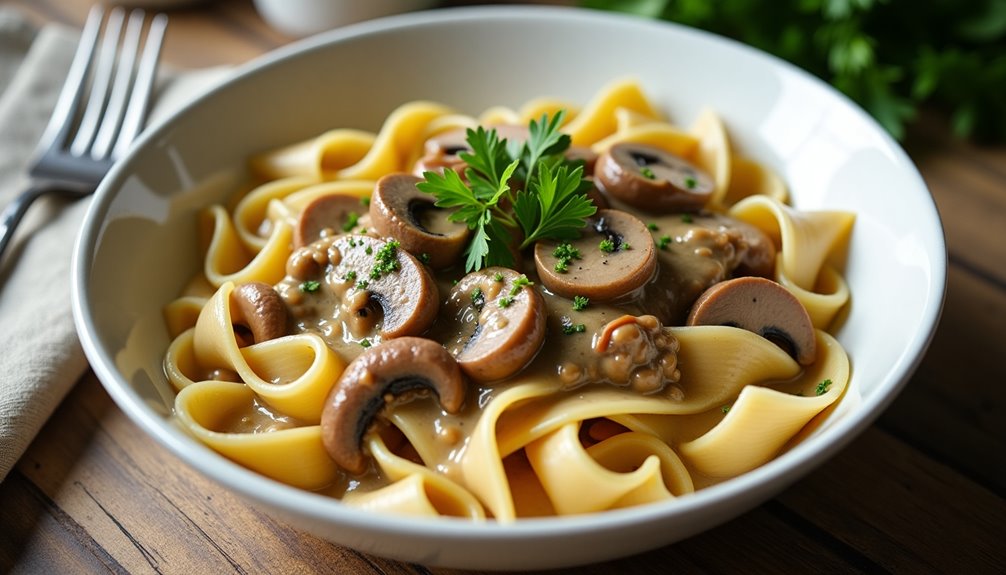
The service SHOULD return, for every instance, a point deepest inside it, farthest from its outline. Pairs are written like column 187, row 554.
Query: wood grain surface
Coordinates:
column 921, row 491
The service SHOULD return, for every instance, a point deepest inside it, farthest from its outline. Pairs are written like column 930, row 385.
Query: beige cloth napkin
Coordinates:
column 40, row 355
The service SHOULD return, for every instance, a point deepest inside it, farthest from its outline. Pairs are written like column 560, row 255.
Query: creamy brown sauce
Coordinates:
column 694, row 252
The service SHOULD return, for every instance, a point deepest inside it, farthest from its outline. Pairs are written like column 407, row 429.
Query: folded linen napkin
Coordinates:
column 40, row 355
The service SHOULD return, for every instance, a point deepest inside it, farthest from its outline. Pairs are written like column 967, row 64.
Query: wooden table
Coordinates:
column 920, row 491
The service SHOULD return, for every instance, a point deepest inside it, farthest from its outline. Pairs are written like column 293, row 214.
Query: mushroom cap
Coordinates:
column 332, row 212
column 390, row 372
column 761, row 306
column 401, row 210
column 497, row 339
column 395, row 280
column 597, row 274
column 257, row 306
column 652, row 179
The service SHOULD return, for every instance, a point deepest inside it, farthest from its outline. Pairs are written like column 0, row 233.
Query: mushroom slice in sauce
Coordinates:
column 327, row 215
column 613, row 257
column 502, row 323
column 652, row 179
column 390, row 372
column 259, row 308
column 401, row 210
column 379, row 286
column 761, row 306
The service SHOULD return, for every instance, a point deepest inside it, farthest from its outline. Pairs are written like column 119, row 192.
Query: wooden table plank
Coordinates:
column 954, row 408
column 904, row 511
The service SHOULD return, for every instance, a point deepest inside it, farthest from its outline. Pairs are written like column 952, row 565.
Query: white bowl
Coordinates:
column 138, row 246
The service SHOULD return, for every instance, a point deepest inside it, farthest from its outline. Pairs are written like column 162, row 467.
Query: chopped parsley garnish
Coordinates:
column 565, row 253
column 497, row 277
column 822, row 388
column 647, row 173
column 687, row 218
column 386, row 260
column 365, row 200
column 424, row 257
column 506, row 301
column 369, row 250
column 310, row 286
column 626, row 246
column 569, row 328
column 551, row 203
column 518, row 283
column 580, row 303
column 350, row 276
column 607, row 245
column 690, row 183
column 664, row 242
column 362, row 284
column 652, row 227
column 352, row 218
column 725, row 409
column 365, row 342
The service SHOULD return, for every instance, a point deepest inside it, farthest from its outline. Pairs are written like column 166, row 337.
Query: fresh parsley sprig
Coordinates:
column 549, row 203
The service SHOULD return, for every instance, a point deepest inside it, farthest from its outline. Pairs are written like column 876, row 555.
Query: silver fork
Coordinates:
column 99, row 112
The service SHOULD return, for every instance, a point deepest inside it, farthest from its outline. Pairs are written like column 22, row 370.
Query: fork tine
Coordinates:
column 124, row 70
column 100, row 83
column 139, row 100
column 68, row 102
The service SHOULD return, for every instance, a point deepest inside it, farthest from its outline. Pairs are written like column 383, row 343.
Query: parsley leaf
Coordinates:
column 550, row 202
column 554, row 206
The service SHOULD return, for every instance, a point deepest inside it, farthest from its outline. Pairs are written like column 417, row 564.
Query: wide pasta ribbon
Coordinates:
column 715, row 362
column 414, row 489
column 295, row 456
column 763, row 420
column 228, row 260
column 809, row 241
column 293, row 374
column 317, row 158
column 252, row 211
column 626, row 469
column 399, row 137
column 597, row 120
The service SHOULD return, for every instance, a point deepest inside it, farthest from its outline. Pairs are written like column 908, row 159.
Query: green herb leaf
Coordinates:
column 552, row 203
column 553, row 207
column 823, row 387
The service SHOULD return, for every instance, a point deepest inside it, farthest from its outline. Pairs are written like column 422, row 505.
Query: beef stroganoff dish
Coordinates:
column 554, row 310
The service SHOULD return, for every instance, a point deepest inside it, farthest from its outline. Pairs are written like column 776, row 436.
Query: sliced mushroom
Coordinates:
column 761, row 306
column 391, row 372
column 501, row 323
column 257, row 307
column 331, row 214
column 652, row 179
column 390, row 278
column 615, row 257
column 401, row 210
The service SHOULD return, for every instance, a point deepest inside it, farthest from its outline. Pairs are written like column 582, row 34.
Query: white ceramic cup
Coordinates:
column 298, row 18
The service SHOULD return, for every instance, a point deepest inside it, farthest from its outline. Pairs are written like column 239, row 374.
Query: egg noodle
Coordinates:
column 527, row 446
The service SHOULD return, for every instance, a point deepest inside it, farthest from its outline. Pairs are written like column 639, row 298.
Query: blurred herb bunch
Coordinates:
column 890, row 56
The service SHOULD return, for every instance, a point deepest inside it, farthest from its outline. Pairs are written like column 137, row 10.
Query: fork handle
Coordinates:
column 14, row 211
